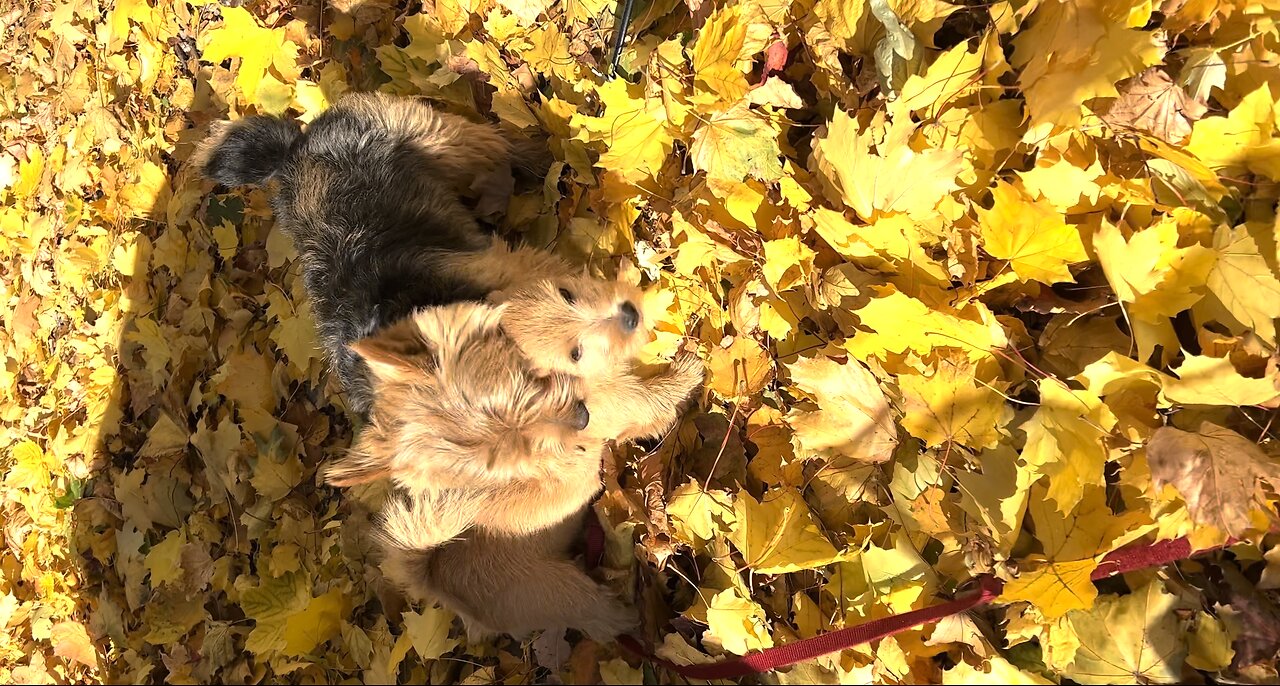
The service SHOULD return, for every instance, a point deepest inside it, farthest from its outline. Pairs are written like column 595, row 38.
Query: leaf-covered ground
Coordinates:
column 951, row 265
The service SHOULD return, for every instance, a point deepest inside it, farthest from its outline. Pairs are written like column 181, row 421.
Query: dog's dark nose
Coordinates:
column 630, row 316
column 580, row 416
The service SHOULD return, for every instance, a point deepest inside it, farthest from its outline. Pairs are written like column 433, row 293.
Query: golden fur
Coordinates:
column 506, row 584
column 497, row 553
column 456, row 404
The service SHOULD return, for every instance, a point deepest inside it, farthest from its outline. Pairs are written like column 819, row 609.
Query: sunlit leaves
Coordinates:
column 875, row 170
column 1031, row 235
column 948, row 304
column 778, row 534
column 258, row 49
column 1130, row 638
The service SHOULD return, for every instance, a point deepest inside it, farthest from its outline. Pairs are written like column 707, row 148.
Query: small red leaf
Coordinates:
column 775, row 58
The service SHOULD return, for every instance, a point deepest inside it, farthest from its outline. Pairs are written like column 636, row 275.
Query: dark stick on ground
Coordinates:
column 620, row 30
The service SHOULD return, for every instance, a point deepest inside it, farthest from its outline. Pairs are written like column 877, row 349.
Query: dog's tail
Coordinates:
column 424, row 520
column 247, row 152
column 500, row 584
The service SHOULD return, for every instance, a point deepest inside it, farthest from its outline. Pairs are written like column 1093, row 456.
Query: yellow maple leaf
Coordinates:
column 149, row 195
column 633, row 130
column 1073, row 53
column 903, row 323
column 738, row 624
column 256, row 46
column 1242, row 140
column 787, row 263
column 699, row 514
column 1065, row 441
column 1242, row 286
column 272, row 96
column 246, row 379
column 1148, row 271
column 1058, row 581
column 1068, row 183
column 995, row 670
column 1114, row 371
column 429, row 631
column 737, row 143
column 1210, row 646
column 164, row 559
column 898, row 575
column 30, row 468
column 717, row 69
column 952, row 405
column 1090, row 531
column 316, row 623
column 1131, row 638
column 312, row 98
column 853, row 418
column 997, row 496
column 453, row 15
column 778, row 535
column 1031, row 235
column 1055, row 588
column 270, row 604
column 1204, row 380
column 876, row 170
column 956, row 74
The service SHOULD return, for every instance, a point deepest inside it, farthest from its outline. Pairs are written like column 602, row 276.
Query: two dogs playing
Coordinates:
column 492, row 378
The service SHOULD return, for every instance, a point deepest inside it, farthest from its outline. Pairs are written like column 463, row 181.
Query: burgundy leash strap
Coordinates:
column 809, row 648
column 989, row 587
column 1143, row 556
column 594, row 540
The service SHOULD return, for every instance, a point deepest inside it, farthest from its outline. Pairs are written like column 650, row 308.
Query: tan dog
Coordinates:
column 549, row 480
column 496, row 550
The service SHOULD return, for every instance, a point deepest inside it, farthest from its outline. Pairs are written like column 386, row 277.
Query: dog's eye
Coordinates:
column 576, row 353
column 568, row 297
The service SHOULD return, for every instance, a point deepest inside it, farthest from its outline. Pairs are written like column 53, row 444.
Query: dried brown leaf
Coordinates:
column 1152, row 102
column 1216, row 470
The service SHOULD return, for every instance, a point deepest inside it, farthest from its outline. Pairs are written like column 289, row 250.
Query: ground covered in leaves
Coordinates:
column 952, row 266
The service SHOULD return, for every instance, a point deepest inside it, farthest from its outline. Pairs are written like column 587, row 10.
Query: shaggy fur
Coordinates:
column 371, row 195
column 502, row 583
column 457, row 405
column 497, row 553
column 552, row 481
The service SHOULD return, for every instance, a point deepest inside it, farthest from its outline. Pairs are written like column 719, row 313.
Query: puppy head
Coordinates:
column 575, row 324
column 455, row 402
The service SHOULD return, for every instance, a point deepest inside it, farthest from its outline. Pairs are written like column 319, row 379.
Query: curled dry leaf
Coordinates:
column 1217, row 471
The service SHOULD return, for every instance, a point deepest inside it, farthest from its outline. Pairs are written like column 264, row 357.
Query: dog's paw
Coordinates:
column 612, row 619
column 689, row 371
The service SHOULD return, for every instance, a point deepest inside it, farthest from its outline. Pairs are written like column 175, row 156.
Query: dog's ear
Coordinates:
column 396, row 351
column 447, row 328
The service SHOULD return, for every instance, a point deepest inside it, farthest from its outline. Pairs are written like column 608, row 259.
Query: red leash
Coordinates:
column 809, row 648
column 988, row 589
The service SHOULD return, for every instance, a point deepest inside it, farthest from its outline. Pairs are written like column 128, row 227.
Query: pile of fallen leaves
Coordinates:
column 952, row 265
